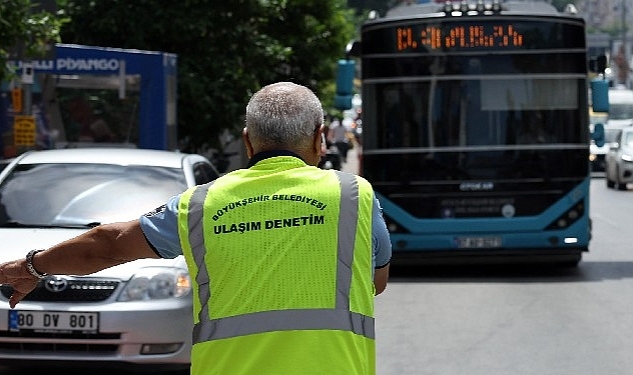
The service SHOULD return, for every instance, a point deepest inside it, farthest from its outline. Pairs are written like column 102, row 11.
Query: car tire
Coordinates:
column 621, row 186
column 610, row 182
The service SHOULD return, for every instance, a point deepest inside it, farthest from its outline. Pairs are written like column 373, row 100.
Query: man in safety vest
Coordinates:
column 285, row 258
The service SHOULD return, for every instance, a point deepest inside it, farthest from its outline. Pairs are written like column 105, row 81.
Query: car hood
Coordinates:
column 619, row 123
column 16, row 242
column 594, row 149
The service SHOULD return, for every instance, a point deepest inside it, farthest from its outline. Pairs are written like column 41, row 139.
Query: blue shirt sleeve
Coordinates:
column 381, row 241
column 161, row 228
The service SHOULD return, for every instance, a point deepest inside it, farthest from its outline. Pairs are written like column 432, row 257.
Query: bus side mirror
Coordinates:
column 598, row 134
column 600, row 95
column 345, row 74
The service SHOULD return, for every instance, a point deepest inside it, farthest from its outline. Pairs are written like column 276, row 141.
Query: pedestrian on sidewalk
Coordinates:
column 338, row 134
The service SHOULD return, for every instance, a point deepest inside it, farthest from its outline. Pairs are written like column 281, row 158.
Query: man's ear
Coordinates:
column 247, row 143
column 319, row 145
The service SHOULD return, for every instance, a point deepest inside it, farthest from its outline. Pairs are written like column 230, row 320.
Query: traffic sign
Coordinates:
column 24, row 131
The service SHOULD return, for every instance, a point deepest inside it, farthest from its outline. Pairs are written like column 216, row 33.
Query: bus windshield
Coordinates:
column 477, row 113
column 476, row 129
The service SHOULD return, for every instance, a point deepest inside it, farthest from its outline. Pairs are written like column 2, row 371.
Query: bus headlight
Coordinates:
column 568, row 218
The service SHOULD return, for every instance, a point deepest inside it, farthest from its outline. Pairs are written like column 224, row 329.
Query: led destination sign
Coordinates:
column 463, row 35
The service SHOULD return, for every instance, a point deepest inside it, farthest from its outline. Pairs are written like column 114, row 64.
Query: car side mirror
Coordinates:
column 598, row 134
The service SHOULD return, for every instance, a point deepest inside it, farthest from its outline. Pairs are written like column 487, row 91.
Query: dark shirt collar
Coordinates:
column 269, row 154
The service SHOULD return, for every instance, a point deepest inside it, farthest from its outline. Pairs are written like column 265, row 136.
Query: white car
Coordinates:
column 597, row 154
column 619, row 160
column 135, row 314
column 620, row 116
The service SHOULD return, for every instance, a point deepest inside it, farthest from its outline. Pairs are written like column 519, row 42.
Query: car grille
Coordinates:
column 76, row 290
column 84, row 343
column 67, row 290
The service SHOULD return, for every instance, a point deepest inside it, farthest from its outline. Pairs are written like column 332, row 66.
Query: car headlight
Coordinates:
column 154, row 283
column 627, row 157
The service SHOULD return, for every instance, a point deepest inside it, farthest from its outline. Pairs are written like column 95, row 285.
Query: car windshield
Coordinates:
column 610, row 135
column 620, row 111
column 84, row 194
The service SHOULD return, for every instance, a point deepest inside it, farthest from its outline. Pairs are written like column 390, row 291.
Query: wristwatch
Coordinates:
column 29, row 265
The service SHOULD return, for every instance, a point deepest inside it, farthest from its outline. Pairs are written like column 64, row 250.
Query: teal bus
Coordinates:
column 476, row 129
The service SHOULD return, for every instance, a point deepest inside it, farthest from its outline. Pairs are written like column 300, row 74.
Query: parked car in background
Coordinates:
column 138, row 314
column 597, row 155
column 620, row 116
column 619, row 160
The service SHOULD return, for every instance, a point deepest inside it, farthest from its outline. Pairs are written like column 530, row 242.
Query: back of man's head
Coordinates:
column 283, row 115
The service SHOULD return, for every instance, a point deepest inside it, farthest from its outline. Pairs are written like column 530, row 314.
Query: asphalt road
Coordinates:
column 518, row 320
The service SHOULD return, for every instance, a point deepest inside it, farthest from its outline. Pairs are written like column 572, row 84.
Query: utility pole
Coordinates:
column 624, row 31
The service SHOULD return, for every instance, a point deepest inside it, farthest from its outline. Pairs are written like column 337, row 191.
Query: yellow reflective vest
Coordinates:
column 281, row 259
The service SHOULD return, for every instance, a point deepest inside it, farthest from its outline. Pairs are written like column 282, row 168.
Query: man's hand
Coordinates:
column 14, row 273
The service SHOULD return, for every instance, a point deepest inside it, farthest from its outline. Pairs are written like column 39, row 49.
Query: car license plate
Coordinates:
column 54, row 321
column 477, row 242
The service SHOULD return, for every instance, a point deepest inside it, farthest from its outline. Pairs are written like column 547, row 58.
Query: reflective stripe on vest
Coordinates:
column 338, row 318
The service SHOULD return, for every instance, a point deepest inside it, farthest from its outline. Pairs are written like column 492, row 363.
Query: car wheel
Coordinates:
column 621, row 186
column 607, row 177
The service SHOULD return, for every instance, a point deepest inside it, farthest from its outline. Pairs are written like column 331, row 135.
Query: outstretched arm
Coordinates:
column 381, row 276
column 101, row 247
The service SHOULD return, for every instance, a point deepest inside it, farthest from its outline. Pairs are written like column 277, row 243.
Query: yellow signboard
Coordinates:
column 24, row 131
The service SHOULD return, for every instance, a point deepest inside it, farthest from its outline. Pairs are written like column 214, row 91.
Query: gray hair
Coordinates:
column 283, row 114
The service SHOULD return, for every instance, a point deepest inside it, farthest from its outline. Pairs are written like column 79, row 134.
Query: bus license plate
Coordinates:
column 477, row 242
column 57, row 321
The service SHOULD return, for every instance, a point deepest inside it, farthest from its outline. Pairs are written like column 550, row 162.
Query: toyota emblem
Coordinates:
column 55, row 284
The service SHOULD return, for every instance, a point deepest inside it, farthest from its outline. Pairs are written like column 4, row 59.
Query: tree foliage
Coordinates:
column 26, row 30
column 226, row 49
